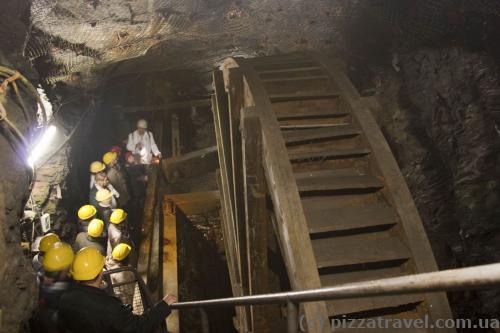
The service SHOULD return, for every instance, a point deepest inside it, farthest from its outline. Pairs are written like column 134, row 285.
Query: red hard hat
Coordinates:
column 116, row 149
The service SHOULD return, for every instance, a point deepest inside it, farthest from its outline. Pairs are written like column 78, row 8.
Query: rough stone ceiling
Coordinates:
column 83, row 35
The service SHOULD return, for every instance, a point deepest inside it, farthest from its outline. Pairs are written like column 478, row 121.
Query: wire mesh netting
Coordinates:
column 81, row 36
column 126, row 286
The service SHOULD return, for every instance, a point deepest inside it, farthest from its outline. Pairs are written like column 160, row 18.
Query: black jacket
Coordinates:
column 84, row 309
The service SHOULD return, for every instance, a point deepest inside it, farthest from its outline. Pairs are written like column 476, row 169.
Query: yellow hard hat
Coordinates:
column 58, row 258
column 87, row 211
column 87, row 265
column 118, row 216
column 97, row 166
column 121, row 251
column 47, row 242
column 95, row 228
column 103, row 195
column 109, row 157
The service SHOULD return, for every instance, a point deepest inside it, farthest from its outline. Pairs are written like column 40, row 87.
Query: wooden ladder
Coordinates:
column 342, row 210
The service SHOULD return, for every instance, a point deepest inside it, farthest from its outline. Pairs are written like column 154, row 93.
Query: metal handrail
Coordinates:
column 475, row 277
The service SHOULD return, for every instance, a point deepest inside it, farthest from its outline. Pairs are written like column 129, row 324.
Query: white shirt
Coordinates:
column 149, row 147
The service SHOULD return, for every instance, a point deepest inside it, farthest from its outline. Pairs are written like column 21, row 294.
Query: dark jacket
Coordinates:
column 104, row 213
column 84, row 240
column 84, row 309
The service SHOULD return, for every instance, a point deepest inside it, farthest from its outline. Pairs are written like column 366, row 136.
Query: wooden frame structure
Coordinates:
column 256, row 162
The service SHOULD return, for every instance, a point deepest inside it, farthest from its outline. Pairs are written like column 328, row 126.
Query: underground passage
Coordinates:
column 249, row 166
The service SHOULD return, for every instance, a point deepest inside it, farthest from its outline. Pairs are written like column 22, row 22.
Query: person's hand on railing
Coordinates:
column 170, row 299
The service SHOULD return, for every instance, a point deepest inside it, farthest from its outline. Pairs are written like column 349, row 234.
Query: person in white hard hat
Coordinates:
column 141, row 143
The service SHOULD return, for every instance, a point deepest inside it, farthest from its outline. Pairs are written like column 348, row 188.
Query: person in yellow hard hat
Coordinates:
column 53, row 284
column 120, row 258
column 95, row 168
column 116, row 177
column 101, row 183
column 117, row 230
column 87, row 308
column 86, row 213
column 45, row 244
column 94, row 237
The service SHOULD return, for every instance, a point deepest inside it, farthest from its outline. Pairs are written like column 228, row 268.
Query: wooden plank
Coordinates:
column 349, row 306
column 164, row 107
column 256, row 220
column 231, row 254
column 301, row 264
column 147, row 227
column 296, row 78
column 316, row 108
column 336, row 180
column 316, row 71
column 195, row 203
column 300, row 87
column 287, row 70
column 309, row 135
column 301, row 95
column 358, row 249
column 220, row 109
column 169, row 262
column 366, row 274
column 305, row 125
column 326, row 153
column 328, row 219
column 235, row 98
column 192, row 164
column 287, row 65
column 400, row 195
column 175, row 135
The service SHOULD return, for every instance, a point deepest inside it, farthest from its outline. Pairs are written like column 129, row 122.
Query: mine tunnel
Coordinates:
column 249, row 166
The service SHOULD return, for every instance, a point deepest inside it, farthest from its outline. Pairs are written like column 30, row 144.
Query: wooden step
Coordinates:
column 284, row 65
column 348, row 306
column 309, row 135
column 358, row 249
column 304, row 123
column 326, row 153
column 316, row 71
column 338, row 278
column 285, row 70
column 336, row 180
column 302, row 95
column 295, row 78
column 299, row 126
column 317, row 108
column 329, row 219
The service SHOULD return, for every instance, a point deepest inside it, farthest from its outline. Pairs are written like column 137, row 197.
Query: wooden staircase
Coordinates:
column 342, row 210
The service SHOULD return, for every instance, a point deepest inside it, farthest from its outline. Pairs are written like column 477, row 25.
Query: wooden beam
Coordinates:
column 147, row 227
column 235, row 96
column 192, row 164
column 224, row 178
column 175, row 135
column 195, row 203
column 263, row 318
column 169, row 264
column 164, row 107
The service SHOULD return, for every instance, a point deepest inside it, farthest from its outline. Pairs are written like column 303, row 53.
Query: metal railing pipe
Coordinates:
column 454, row 279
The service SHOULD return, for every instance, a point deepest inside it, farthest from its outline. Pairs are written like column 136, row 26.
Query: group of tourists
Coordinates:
column 72, row 293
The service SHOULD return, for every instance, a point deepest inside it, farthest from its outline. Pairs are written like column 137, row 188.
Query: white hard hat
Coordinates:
column 142, row 123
